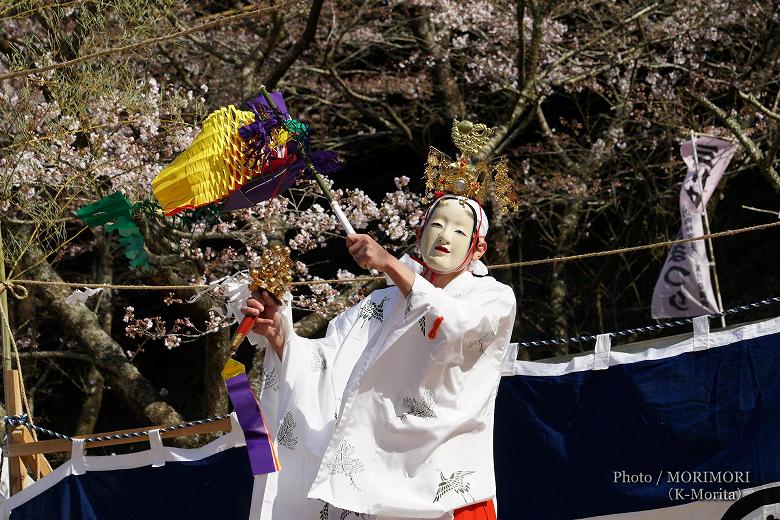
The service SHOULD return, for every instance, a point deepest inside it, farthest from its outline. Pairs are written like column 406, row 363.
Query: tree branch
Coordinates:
column 764, row 164
column 396, row 124
column 56, row 354
column 569, row 55
column 520, row 61
column 750, row 98
column 552, row 137
column 529, row 73
column 527, row 91
column 445, row 85
column 297, row 49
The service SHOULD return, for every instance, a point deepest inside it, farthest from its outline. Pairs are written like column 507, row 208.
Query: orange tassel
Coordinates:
column 435, row 328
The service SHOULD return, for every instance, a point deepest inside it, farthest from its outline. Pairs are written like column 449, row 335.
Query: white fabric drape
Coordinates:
column 391, row 413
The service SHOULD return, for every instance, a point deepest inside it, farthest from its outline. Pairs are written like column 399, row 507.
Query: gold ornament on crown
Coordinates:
column 273, row 272
column 466, row 177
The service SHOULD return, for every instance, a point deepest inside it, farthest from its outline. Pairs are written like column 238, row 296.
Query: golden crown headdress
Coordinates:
column 465, row 176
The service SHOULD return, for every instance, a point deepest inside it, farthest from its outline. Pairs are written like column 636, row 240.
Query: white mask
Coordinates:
column 447, row 236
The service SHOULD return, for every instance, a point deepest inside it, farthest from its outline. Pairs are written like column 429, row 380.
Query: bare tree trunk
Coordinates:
column 217, row 344
column 81, row 323
column 215, row 400
column 90, row 409
column 104, row 273
column 303, row 42
column 444, row 83
column 559, row 291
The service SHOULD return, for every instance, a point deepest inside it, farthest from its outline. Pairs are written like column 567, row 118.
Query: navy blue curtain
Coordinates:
column 216, row 487
column 639, row 436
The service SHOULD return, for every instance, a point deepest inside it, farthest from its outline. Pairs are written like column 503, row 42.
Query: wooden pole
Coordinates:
column 11, row 389
column 13, row 406
column 18, row 468
column 4, row 304
column 33, row 464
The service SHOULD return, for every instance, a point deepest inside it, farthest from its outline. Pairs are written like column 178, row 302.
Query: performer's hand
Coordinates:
column 268, row 319
column 368, row 254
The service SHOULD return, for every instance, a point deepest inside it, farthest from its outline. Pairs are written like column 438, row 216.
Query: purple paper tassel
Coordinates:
column 262, row 457
column 256, row 137
column 257, row 134
column 258, row 190
column 260, row 104
column 326, row 162
column 268, row 186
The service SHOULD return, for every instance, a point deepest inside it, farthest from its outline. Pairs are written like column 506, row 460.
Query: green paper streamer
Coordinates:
column 296, row 127
column 105, row 210
column 114, row 213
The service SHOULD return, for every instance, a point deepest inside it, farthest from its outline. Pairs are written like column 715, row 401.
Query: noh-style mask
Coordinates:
column 451, row 231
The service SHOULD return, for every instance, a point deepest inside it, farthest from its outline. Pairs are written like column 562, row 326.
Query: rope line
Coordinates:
column 15, row 284
column 14, row 421
column 632, row 249
column 647, row 328
column 144, row 43
column 18, row 291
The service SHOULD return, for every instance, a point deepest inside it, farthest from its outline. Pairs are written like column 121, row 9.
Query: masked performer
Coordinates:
column 390, row 415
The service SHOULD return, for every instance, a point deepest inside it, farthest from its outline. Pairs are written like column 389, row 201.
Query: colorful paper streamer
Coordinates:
column 212, row 167
column 259, row 446
column 114, row 213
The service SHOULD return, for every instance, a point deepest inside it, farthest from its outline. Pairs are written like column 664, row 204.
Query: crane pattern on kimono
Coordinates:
column 425, row 407
column 372, row 310
column 343, row 514
column 271, row 380
column 457, row 483
column 286, row 436
column 421, row 322
column 485, row 339
column 343, row 463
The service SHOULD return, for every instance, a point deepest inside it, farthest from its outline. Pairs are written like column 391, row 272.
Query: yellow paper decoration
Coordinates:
column 212, row 167
column 232, row 368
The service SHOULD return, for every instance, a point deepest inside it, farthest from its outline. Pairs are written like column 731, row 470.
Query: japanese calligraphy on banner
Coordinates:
column 684, row 287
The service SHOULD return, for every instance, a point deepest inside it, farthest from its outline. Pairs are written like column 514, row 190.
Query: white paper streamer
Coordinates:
column 81, row 296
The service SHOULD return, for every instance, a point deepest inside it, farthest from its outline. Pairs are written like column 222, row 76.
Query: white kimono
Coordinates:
column 390, row 415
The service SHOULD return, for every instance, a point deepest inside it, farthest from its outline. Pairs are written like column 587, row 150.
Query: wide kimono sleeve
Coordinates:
column 481, row 317
column 301, row 369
